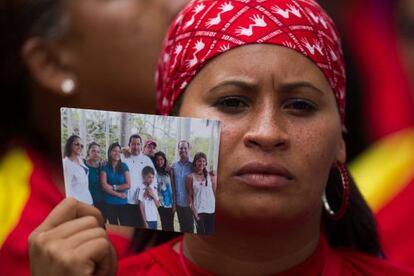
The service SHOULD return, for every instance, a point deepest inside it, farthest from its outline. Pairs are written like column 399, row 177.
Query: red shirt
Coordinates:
column 24, row 170
column 163, row 260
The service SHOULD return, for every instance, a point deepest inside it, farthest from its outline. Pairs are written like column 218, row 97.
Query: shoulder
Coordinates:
column 160, row 260
column 357, row 263
column 124, row 167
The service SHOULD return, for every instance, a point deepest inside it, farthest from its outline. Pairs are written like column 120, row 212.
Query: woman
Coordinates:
column 93, row 162
column 165, row 194
column 75, row 171
column 54, row 54
column 115, row 182
column 272, row 73
column 201, row 199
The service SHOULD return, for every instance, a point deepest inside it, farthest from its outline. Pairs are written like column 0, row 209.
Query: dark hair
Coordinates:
column 197, row 156
column 20, row 20
column 90, row 146
column 357, row 228
column 161, row 170
column 147, row 170
column 183, row 141
column 68, row 146
column 134, row 136
column 118, row 168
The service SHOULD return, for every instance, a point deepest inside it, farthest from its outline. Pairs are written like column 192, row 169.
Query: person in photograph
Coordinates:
column 273, row 73
column 93, row 162
column 75, row 171
column 201, row 188
column 150, row 147
column 165, row 192
column 181, row 169
column 148, row 199
column 115, row 182
column 136, row 161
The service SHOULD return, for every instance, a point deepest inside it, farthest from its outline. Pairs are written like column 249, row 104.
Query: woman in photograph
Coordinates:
column 165, row 191
column 201, row 187
column 93, row 162
column 273, row 73
column 115, row 182
column 75, row 171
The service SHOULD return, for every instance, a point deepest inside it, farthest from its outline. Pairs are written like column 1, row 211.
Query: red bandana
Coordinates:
column 206, row 28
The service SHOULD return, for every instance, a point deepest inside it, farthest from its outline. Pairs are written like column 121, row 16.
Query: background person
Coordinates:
column 181, row 169
column 75, row 171
column 115, row 182
column 148, row 199
column 165, row 192
column 201, row 190
column 93, row 162
column 45, row 45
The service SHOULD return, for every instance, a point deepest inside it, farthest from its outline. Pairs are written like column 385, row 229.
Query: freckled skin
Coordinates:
column 269, row 130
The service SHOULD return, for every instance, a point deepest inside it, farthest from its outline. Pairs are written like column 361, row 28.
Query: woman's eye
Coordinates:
column 300, row 106
column 231, row 104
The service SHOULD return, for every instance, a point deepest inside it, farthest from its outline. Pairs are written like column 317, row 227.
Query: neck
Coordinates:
column 182, row 160
column 74, row 158
column 260, row 252
column 200, row 172
column 93, row 162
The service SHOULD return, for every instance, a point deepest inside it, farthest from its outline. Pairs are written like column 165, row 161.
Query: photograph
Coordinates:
column 146, row 171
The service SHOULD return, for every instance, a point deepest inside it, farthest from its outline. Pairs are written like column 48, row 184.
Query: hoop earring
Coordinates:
column 345, row 194
column 67, row 86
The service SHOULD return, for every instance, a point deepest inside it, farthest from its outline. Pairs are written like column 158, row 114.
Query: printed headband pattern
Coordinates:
column 207, row 28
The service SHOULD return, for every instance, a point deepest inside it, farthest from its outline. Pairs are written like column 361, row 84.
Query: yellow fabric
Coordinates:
column 15, row 171
column 385, row 168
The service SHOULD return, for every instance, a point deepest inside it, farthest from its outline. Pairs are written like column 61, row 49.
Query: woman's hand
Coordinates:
column 72, row 241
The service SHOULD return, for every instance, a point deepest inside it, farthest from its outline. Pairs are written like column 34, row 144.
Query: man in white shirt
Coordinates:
column 136, row 161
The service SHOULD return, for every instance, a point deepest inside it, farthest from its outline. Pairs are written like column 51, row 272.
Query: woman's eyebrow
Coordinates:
column 239, row 84
column 288, row 87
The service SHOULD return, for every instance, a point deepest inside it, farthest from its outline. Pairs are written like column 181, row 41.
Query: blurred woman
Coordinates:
column 75, row 171
column 201, row 188
column 165, row 191
column 91, row 54
column 115, row 182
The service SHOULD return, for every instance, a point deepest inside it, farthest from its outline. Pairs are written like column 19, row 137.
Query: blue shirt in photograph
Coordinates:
column 181, row 170
column 95, row 187
column 164, row 190
column 115, row 178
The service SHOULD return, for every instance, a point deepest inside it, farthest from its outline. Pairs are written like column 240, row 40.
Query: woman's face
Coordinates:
column 77, row 147
column 94, row 153
column 112, row 47
column 159, row 160
column 280, row 132
column 200, row 164
column 116, row 154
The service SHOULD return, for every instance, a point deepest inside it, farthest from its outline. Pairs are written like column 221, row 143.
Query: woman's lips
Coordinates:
column 263, row 175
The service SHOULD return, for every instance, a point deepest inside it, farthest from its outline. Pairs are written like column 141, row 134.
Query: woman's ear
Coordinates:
column 341, row 154
column 46, row 68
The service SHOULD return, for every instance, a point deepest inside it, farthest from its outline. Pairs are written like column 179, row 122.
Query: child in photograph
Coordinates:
column 148, row 199
column 201, row 189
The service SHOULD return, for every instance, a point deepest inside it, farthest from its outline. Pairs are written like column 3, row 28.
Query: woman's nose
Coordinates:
column 267, row 130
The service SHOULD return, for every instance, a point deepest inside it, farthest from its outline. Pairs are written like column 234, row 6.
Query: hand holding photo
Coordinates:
column 146, row 171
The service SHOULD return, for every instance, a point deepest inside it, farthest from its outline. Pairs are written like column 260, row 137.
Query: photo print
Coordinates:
column 145, row 171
